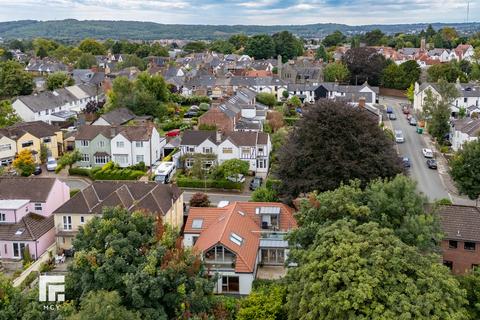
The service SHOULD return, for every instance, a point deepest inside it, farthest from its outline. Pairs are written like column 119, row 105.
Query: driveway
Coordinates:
column 428, row 180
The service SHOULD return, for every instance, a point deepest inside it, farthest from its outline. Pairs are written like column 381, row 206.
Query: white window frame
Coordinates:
column 120, row 144
column 85, row 157
column 139, row 144
column 140, row 158
column 3, row 217
column 67, row 222
column 84, row 143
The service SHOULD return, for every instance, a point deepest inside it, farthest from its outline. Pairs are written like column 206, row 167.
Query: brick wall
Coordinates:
column 462, row 259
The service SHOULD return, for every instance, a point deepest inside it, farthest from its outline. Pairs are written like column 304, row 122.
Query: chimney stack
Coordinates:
column 361, row 102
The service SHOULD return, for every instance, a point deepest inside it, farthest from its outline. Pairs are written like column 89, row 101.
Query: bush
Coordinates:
column 444, row 202
column 200, row 199
column 139, row 166
column 217, row 184
column 444, row 149
column 118, row 174
column 168, row 126
column 79, row 172
column 207, row 127
column 204, row 106
column 47, row 266
column 290, row 121
column 28, row 280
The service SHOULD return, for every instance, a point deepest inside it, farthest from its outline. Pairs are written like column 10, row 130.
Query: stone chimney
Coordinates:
column 423, row 46
column 361, row 102
column 219, row 136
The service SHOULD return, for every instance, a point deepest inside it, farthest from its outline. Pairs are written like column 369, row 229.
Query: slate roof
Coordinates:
column 34, row 227
column 460, row 222
column 118, row 116
column 195, row 138
column 38, row 129
column 132, row 133
column 131, row 195
column 33, row 189
column 239, row 138
column 239, row 218
column 468, row 126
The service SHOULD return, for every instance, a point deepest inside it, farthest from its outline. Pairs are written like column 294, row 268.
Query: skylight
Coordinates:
column 235, row 238
column 197, row 223
column 267, row 210
column 20, row 231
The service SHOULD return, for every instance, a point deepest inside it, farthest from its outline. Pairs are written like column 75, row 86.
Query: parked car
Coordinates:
column 38, row 170
column 256, row 183
column 405, row 110
column 237, row 178
column 51, row 164
column 392, row 116
column 194, row 108
column 399, row 138
column 413, row 121
column 409, row 116
column 389, row 109
column 427, row 153
column 432, row 164
column 190, row 114
column 406, row 162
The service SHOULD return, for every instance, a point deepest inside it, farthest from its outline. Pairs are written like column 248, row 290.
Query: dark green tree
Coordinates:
column 394, row 77
column 59, row 80
column 334, row 39
column 14, row 81
column 195, row 46
column 363, row 271
column 86, row 61
column 364, row 64
column 287, row 45
column 471, row 283
column 412, row 72
column 264, row 303
column 465, row 169
column 336, row 71
column 449, row 71
column 238, row 40
column 222, row 46
column 92, row 46
column 374, row 37
column 131, row 60
column 330, row 154
column 260, row 46
column 321, row 53
column 103, row 305
column 267, row 99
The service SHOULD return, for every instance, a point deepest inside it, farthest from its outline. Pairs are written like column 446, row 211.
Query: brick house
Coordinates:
column 461, row 244
column 218, row 118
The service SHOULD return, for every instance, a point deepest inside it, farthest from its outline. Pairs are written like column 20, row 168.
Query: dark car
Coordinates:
column 256, row 183
column 190, row 114
column 432, row 164
column 38, row 170
column 406, row 162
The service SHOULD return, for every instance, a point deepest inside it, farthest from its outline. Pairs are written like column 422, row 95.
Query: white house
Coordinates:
column 57, row 105
column 332, row 90
column 469, row 95
column 240, row 242
column 8, row 149
column 464, row 130
column 249, row 146
column 135, row 144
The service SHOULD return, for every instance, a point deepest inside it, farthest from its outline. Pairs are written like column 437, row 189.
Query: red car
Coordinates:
column 405, row 110
column 173, row 133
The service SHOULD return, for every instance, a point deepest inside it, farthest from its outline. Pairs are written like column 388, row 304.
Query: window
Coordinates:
column 194, row 240
column 84, row 143
column 469, row 246
column 5, row 248
column 465, row 100
column 47, row 140
column 67, row 222
column 101, row 159
column 197, row 223
column 101, row 144
column 448, row 264
column 189, row 163
column 235, row 238
column 120, row 144
column 191, row 149
column 38, row 207
column 18, row 249
column 140, row 158
column 82, row 219
column 262, row 163
column 452, row 244
column 3, row 217
column 230, row 284
column 273, row 256
column 139, row 144
column 227, row 150
column 27, row 144
column 121, row 158
column 5, row 147
column 85, row 157
column 207, row 150
column 474, row 266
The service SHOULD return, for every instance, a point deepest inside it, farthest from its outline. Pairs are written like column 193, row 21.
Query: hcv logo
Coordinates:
column 54, row 285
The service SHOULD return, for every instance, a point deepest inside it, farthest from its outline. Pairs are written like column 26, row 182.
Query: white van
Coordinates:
column 164, row 172
column 399, row 138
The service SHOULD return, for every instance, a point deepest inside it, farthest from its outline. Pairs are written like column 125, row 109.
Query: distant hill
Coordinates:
column 74, row 29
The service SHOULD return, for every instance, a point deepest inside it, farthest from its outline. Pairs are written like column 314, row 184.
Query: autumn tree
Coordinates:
column 24, row 163
column 330, row 153
column 465, row 169
column 275, row 120
column 199, row 199
column 8, row 116
column 364, row 64
column 363, row 271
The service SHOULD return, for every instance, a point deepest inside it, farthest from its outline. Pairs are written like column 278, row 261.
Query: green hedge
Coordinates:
column 290, row 120
column 79, row 172
column 216, row 184
column 109, row 172
column 28, row 280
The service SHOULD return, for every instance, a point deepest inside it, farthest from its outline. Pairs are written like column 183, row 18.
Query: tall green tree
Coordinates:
column 364, row 64
column 321, row 53
column 195, row 46
column 238, row 40
column 394, row 77
column 448, row 71
column 11, row 300
column 412, row 72
column 260, row 46
column 287, row 45
column 363, row 271
column 92, row 46
column 437, row 108
column 131, row 60
column 334, row 39
column 374, row 37
column 264, row 303
column 471, row 283
column 86, row 61
column 336, row 71
column 14, row 81
column 103, row 305
column 8, row 116
column 59, row 80
column 222, row 46
column 330, row 154
column 465, row 169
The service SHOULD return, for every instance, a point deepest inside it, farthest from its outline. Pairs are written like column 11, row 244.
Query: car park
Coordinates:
column 399, row 138
column 256, row 183
column 51, row 164
column 427, row 153
column 392, row 116
column 432, row 164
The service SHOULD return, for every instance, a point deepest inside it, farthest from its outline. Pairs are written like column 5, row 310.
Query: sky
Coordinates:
column 260, row 12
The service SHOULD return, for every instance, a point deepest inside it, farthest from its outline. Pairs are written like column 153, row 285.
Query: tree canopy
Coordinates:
column 364, row 64
column 267, row 99
column 320, row 153
column 336, row 71
column 8, row 116
column 260, row 46
column 25, row 163
column 465, row 169
column 59, row 80
column 334, row 39
column 92, row 46
column 287, row 45
column 14, row 81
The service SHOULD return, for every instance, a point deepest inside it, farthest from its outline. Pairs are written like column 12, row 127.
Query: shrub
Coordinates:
column 444, row 202
column 46, row 266
column 290, row 121
column 79, row 172
column 444, row 149
column 207, row 127
column 139, row 166
column 200, row 199
column 263, row 194
column 204, row 106
column 168, row 126
column 28, row 280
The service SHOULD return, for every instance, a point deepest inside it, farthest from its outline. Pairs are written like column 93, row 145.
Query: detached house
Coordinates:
column 32, row 135
column 252, row 147
column 241, row 242
column 26, row 214
column 162, row 200
column 125, row 145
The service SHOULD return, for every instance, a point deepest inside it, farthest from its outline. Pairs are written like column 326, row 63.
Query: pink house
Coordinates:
column 26, row 219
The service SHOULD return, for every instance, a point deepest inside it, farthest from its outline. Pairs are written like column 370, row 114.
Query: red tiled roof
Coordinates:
column 240, row 218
